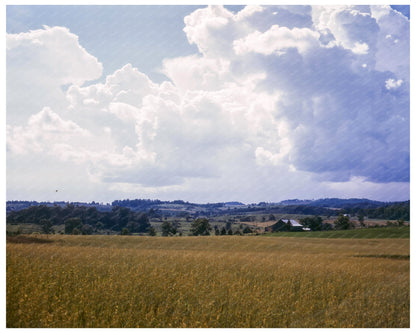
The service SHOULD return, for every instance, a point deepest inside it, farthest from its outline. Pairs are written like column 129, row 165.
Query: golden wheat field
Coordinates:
column 235, row 281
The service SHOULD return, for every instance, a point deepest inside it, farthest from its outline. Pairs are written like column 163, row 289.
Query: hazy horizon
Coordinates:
column 206, row 203
column 207, row 104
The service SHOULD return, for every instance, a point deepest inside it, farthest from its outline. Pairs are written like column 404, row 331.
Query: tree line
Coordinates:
column 88, row 220
column 353, row 207
column 82, row 219
column 395, row 211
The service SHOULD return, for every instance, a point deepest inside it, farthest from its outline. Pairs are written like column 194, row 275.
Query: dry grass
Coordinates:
column 116, row 281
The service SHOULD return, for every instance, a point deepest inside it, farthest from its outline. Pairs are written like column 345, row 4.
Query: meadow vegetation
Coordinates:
column 207, row 281
column 381, row 232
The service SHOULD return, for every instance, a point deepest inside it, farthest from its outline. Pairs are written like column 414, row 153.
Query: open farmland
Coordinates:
column 235, row 281
column 367, row 233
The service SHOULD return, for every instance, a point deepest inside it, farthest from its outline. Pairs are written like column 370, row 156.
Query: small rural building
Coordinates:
column 287, row 225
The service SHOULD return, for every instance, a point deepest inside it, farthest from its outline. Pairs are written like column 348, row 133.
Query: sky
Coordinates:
column 207, row 103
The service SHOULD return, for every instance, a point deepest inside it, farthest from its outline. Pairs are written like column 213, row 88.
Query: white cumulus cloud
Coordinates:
column 43, row 132
column 393, row 84
column 39, row 63
column 283, row 101
column 276, row 40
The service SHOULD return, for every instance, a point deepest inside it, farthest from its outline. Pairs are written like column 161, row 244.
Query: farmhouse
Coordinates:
column 287, row 225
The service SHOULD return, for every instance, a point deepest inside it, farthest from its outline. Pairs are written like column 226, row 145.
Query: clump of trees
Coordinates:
column 247, row 230
column 46, row 226
column 315, row 223
column 169, row 229
column 73, row 225
column 343, row 222
column 200, row 227
column 393, row 211
column 82, row 219
column 398, row 223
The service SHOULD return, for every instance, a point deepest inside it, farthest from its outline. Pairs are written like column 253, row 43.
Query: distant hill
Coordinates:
column 325, row 207
column 16, row 205
column 294, row 202
column 337, row 203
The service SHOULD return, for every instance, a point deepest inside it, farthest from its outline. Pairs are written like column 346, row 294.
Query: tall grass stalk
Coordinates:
column 122, row 281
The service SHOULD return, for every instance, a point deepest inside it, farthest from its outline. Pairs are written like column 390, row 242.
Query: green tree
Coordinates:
column 87, row 229
column 125, row 231
column 175, row 227
column 247, row 230
column 151, row 231
column 314, row 223
column 46, row 225
column 71, row 224
column 99, row 226
column 361, row 219
column 143, row 222
column 201, row 227
column 327, row 226
column 76, row 231
column 343, row 222
column 217, row 230
column 168, row 229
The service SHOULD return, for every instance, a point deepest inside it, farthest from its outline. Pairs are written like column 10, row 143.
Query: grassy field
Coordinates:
column 384, row 232
column 230, row 281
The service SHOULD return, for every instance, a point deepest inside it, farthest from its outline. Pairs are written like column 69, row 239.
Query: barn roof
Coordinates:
column 294, row 223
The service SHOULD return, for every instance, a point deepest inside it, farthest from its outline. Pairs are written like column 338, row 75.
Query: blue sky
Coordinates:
column 404, row 9
column 142, row 36
column 207, row 104
column 117, row 34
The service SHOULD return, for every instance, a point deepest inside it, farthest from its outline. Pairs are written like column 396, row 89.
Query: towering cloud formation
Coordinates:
column 310, row 94
column 39, row 63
